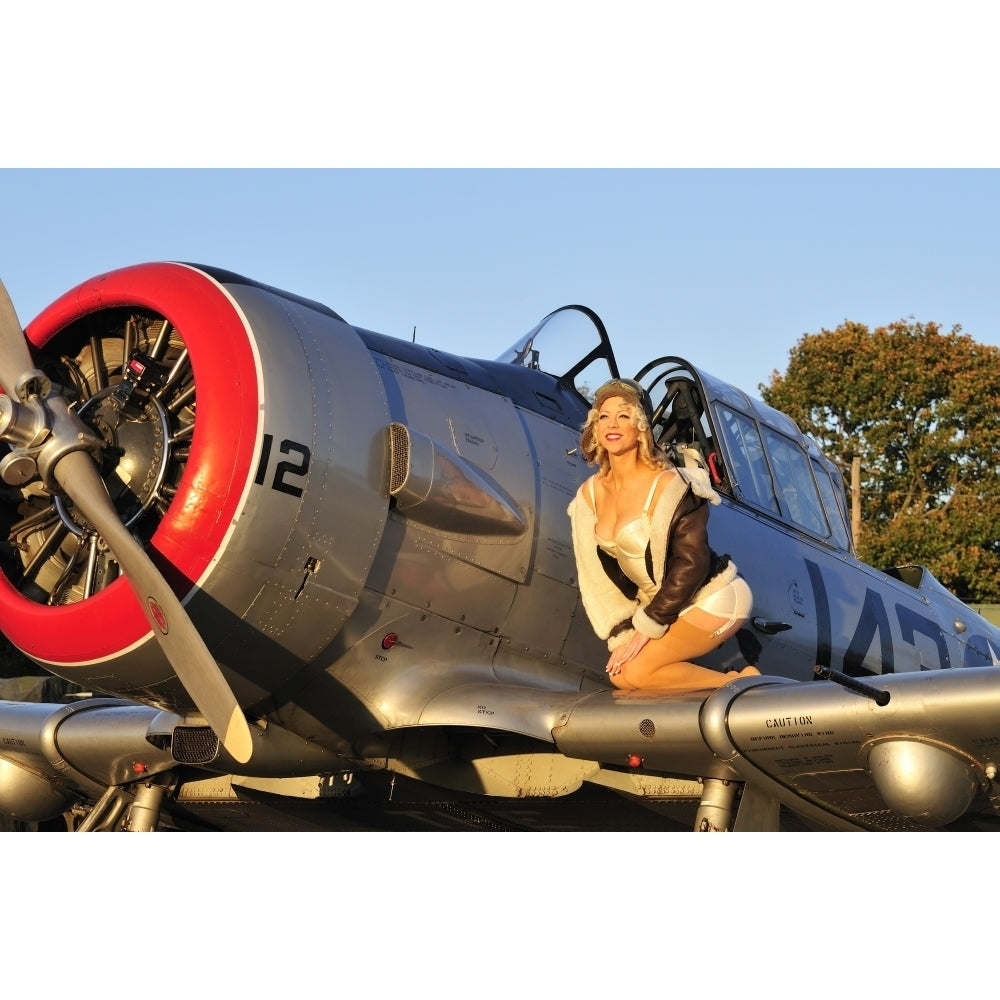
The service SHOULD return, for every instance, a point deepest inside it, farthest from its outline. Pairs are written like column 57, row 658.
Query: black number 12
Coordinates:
column 283, row 469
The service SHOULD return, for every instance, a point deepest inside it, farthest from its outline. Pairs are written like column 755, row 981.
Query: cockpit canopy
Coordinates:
column 754, row 453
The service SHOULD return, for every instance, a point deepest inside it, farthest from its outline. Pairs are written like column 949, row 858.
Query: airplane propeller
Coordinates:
column 50, row 440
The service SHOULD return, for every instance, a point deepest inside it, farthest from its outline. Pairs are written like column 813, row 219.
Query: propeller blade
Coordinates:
column 15, row 358
column 184, row 647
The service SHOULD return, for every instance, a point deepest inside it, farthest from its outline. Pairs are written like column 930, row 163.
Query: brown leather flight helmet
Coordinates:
column 628, row 389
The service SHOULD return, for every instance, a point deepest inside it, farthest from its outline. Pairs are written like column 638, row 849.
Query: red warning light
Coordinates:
column 634, row 760
column 139, row 768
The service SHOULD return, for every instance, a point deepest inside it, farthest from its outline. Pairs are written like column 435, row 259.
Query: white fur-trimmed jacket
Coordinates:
column 684, row 567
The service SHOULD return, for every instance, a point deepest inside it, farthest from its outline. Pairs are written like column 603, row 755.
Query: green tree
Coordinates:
column 918, row 407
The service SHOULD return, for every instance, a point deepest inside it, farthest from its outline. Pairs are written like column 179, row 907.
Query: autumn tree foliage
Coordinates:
column 919, row 407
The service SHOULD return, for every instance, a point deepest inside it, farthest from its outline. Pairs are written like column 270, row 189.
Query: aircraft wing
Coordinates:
column 916, row 752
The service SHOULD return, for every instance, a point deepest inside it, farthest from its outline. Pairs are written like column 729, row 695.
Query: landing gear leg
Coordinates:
column 715, row 811
column 144, row 816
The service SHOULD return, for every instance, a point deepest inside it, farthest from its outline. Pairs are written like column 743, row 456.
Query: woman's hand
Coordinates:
column 620, row 656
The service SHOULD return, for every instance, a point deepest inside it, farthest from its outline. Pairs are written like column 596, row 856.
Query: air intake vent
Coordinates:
column 194, row 745
column 399, row 457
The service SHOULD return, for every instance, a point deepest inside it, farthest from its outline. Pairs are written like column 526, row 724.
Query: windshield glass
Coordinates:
column 570, row 343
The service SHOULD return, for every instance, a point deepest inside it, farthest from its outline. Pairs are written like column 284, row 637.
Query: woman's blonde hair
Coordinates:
column 596, row 454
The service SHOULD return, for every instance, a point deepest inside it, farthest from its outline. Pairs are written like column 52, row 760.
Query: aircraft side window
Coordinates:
column 836, row 508
column 747, row 463
column 793, row 471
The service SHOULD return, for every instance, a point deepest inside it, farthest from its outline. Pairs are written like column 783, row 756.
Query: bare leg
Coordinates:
column 665, row 664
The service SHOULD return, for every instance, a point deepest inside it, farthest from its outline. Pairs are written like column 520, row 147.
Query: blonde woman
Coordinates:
column 650, row 584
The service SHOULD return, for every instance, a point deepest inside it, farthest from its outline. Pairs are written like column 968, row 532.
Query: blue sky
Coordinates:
column 726, row 267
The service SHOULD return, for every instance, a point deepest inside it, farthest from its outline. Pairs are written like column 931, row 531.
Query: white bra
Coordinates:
column 630, row 543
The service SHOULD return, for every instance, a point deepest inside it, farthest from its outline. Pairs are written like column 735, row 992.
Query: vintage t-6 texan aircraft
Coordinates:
column 305, row 575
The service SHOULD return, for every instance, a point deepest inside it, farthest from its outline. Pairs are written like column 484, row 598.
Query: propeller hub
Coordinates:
column 68, row 434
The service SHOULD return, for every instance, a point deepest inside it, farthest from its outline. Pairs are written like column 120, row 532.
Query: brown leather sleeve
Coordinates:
column 688, row 562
